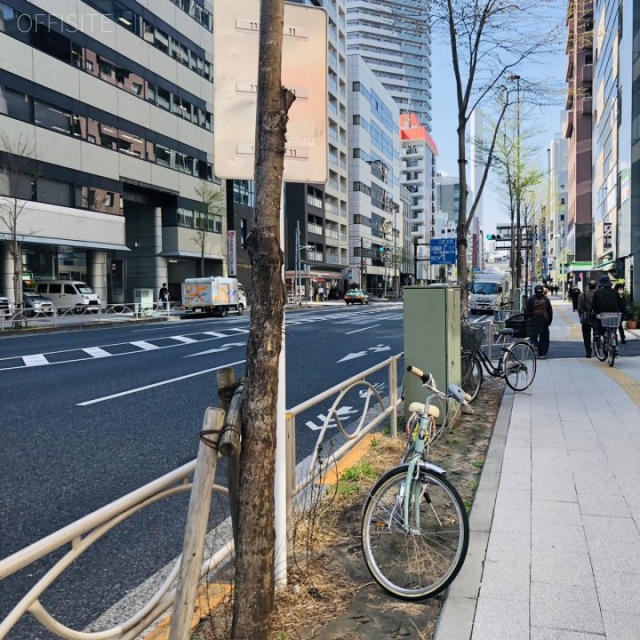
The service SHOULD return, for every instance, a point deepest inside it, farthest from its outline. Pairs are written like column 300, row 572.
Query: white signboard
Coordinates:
column 231, row 252
column 304, row 71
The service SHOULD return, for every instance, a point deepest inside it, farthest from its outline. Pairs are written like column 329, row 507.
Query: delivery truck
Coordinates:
column 489, row 292
column 214, row 295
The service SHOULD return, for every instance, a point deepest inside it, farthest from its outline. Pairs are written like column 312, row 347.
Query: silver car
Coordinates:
column 35, row 303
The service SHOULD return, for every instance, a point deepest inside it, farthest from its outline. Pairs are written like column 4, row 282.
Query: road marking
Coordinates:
column 183, row 339
column 35, row 360
column 146, row 346
column 363, row 329
column 224, row 347
column 353, row 356
column 156, row 384
column 97, row 352
column 215, row 334
column 344, row 413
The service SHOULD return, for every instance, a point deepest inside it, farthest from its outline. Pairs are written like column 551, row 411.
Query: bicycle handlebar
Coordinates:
column 427, row 380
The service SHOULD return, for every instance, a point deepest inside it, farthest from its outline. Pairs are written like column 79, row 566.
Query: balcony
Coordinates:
column 568, row 124
column 587, row 73
column 587, row 106
column 314, row 228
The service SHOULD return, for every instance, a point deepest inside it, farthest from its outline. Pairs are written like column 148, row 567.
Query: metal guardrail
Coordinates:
column 83, row 533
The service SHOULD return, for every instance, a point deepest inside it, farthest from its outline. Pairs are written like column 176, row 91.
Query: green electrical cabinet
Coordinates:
column 431, row 336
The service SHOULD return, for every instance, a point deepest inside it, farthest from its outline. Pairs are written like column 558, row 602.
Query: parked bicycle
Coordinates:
column 516, row 361
column 415, row 528
column 606, row 346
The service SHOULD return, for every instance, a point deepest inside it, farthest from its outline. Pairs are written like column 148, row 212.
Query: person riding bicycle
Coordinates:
column 605, row 300
column 539, row 305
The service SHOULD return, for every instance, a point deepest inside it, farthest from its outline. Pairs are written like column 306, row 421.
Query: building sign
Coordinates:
column 443, row 251
column 231, row 252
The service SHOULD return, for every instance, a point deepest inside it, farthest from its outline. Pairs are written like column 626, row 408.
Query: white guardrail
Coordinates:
column 22, row 318
column 83, row 533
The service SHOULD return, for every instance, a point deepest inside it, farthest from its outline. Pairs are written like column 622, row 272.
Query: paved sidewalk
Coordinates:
column 555, row 540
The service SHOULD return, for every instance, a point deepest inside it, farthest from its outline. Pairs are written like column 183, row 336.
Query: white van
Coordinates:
column 70, row 294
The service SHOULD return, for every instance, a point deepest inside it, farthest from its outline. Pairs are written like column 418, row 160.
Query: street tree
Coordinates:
column 213, row 204
column 18, row 177
column 254, row 565
column 488, row 40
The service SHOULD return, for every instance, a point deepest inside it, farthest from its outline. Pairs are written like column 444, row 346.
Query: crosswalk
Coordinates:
column 88, row 354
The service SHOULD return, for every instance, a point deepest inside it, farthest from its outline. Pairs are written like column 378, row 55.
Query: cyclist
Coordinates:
column 605, row 300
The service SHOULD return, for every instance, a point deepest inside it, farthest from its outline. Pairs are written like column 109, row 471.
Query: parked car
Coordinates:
column 354, row 296
column 35, row 303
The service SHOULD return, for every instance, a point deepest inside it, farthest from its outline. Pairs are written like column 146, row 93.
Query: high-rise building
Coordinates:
column 616, row 141
column 394, row 40
column 577, row 128
column 106, row 123
column 557, row 219
column 375, row 211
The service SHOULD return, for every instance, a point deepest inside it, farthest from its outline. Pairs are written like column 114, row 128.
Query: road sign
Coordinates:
column 443, row 251
column 231, row 252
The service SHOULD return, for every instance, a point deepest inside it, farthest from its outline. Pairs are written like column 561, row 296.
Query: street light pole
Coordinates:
column 518, row 261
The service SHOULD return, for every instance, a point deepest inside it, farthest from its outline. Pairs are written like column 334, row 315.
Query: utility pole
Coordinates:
column 298, row 275
column 415, row 261
column 518, row 261
column 361, row 263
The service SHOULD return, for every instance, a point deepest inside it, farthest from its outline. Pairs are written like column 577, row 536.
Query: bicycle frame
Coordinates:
column 495, row 372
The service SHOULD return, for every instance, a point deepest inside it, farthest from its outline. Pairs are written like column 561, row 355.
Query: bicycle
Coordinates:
column 606, row 348
column 517, row 362
column 415, row 527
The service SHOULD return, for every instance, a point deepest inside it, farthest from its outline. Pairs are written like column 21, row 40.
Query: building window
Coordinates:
column 243, row 192
column 356, row 86
column 356, row 119
column 243, row 233
column 15, row 104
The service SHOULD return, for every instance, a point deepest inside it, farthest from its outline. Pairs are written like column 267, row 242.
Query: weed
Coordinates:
column 478, row 464
column 467, row 505
column 474, row 485
column 362, row 470
column 452, row 441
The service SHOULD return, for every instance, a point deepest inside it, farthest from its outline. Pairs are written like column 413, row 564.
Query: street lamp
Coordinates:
column 515, row 77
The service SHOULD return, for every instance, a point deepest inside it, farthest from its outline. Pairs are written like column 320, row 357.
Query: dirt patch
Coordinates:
column 330, row 593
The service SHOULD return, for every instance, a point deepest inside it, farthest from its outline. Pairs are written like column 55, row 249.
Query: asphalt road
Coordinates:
column 89, row 416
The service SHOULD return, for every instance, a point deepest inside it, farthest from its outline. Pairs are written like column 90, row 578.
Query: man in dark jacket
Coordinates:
column 575, row 294
column 605, row 300
column 585, row 302
column 539, row 305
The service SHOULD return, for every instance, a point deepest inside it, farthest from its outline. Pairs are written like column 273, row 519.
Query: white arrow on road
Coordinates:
column 224, row 347
column 359, row 354
column 378, row 386
column 344, row 413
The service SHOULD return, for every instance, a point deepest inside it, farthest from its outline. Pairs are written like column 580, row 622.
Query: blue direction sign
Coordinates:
column 443, row 251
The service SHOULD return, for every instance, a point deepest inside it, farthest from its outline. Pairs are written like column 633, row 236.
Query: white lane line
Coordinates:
column 35, row 361
column 363, row 329
column 146, row 346
column 184, row 339
column 156, row 384
column 97, row 352
column 215, row 334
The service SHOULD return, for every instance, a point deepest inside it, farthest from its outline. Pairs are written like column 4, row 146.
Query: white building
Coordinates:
column 375, row 211
column 558, row 199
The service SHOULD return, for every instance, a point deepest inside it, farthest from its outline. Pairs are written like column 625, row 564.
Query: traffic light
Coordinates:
column 494, row 236
column 383, row 250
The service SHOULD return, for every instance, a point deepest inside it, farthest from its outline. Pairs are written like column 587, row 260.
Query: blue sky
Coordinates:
column 546, row 120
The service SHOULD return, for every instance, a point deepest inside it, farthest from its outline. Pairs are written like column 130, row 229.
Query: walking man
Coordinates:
column 164, row 296
column 539, row 305
column 585, row 302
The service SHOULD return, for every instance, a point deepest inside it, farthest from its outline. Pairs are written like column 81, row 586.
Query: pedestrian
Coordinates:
column 575, row 294
column 539, row 311
column 605, row 300
column 321, row 293
column 164, row 296
column 584, row 309
column 619, row 289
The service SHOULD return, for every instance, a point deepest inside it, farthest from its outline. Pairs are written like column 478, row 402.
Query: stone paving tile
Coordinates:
column 619, row 557
column 515, row 481
column 518, row 499
column 567, row 607
column 561, row 567
column 505, row 580
column 603, row 504
column 621, row 626
column 618, row 591
column 515, row 547
column 511, row 520
column 559, row 537
column 550, row 513
column 501, row 620
column 540, row 633
column 613, row 530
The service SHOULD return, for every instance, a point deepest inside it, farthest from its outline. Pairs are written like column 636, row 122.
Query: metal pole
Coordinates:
column 519, row 188
column 361, row 262
column 415, row 261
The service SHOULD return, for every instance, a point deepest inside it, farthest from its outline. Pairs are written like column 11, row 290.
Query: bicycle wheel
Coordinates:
column 471, row 369
column 519, row 365
column 598, row 349
column 422, row 559
column 612, row 351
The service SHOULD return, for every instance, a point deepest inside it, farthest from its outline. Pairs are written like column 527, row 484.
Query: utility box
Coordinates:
column 431, row 337
column 143, row 299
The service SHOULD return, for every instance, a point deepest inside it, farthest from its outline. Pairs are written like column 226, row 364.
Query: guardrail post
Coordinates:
column 290, row 426
column 196, row 529
column 229, row 394
column 393, row 396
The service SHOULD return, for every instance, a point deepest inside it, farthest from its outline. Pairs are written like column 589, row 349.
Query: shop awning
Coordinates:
column 65, row 242
column 606, row 265
column 191, row 254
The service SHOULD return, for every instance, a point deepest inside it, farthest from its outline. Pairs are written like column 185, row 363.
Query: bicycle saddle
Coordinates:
column 506, row 332
column 418, row 407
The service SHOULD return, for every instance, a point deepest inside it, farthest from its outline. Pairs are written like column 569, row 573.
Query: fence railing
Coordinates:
column 83, row 533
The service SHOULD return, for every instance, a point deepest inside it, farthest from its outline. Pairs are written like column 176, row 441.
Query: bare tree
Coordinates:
column 254, row 569
column 488, row 39
column 213, row 201
column 18, row 175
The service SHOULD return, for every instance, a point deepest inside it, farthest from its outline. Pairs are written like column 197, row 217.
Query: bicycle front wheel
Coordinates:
column 519, row 365
column 420, row 558
column 599, row 350
column 471, row 369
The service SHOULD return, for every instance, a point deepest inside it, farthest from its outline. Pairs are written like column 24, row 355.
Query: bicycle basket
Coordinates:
column 525, row 325
column 611, row 320
column 471, row 337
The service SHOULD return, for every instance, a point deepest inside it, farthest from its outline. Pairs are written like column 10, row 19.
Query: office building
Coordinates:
column 557, row 218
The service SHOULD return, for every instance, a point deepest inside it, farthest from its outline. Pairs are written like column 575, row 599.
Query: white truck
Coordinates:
column 489, row 292
column 213, row 295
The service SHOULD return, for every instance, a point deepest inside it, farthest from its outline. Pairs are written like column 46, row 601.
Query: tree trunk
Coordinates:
column 461, row 229
column 254, row 571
